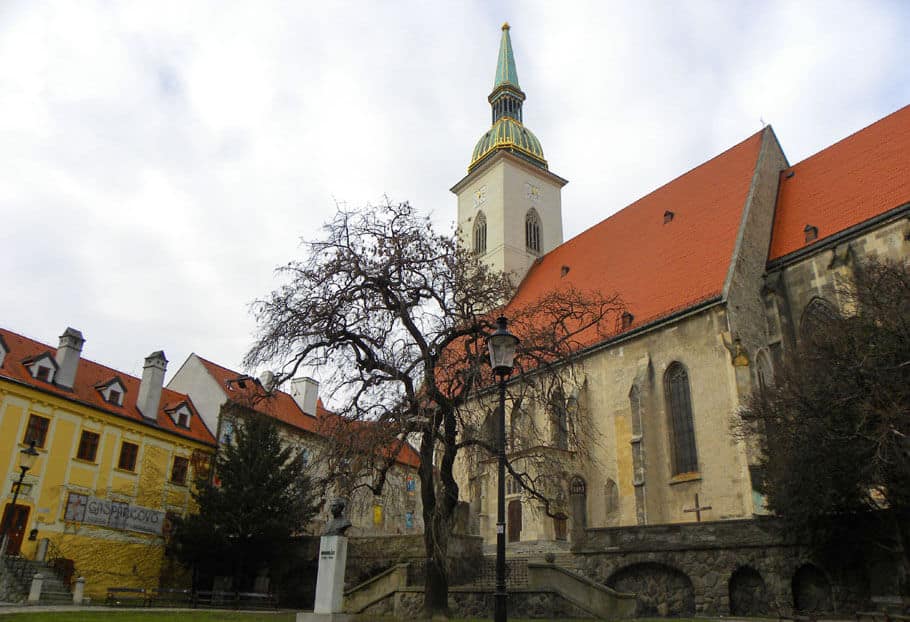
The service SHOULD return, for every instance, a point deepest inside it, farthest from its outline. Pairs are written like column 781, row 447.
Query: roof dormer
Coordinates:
column 42, row 367
column 240, row 382
column 112, row 391
column 4, row 350
column 180, row 414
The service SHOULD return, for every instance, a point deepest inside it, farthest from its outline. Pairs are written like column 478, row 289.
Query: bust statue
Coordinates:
column 338, row 524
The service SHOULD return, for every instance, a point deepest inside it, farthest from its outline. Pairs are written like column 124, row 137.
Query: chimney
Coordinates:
column 68, row 357
column 305, row 391
column 150, row 387
column 267, row 380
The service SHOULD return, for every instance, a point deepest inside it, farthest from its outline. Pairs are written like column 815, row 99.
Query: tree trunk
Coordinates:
column 435, row 534
column 436, row 590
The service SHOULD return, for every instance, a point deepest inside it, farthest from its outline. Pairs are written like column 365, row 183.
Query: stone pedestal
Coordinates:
column 79, row 591
column 34, row 592
column 333, row 557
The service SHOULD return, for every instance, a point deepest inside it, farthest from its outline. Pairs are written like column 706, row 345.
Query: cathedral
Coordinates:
column 717, row 269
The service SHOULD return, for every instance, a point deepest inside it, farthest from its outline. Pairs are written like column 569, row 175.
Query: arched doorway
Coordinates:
column 811, row 589
column 661, row 590
column 578, row 506
column 748, row 595
column 514, row 520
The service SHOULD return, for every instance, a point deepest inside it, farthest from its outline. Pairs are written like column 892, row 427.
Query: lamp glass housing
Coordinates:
column 502, row 346
column 28, row 456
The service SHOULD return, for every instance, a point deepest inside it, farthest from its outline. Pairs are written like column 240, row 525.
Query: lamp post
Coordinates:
column 502, row 345
column 26, row 461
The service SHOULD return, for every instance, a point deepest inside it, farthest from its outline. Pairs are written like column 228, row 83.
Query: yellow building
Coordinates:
column 117, row 455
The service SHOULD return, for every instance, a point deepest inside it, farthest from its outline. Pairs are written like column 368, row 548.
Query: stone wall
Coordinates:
column 741, row 567
column 467, row 603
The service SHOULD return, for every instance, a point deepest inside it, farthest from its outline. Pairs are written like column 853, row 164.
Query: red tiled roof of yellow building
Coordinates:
column 89, row 376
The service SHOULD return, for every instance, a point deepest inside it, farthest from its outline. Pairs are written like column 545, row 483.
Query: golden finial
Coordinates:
column 505, row 25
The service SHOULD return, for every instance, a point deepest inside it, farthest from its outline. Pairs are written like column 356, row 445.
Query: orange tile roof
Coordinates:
column 89, row 376
column 279, row 405
column 283, row 407
column 658, row 268
column 858, row 178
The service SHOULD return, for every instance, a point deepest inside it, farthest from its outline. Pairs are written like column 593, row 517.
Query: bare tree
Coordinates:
column 400, row 313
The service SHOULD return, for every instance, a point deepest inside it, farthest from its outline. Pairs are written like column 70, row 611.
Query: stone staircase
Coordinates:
column 21, row 570
column 539, row 551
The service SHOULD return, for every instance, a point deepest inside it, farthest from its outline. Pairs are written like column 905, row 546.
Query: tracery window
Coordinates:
column 682, row 427
column 559, row 420
column 532, row 231
column 480, row 234
column 816, row 317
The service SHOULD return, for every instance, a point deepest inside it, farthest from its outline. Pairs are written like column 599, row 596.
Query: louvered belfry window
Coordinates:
column 480, row 234
column 682, row 428
column 532, row 231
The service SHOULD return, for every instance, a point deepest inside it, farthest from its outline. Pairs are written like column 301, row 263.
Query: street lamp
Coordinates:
column 27, row 459
column 502, row 345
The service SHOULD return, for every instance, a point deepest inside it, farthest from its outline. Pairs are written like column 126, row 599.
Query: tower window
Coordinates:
column 532, row 231
column 480, row 234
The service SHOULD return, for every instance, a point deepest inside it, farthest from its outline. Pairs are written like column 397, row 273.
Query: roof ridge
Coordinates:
column 574, row 239
column 82, row 359
column 662, row 186
column 851, row 135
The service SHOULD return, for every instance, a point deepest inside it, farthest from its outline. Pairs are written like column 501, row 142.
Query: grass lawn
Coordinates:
column 146, row 616
column 202, row 616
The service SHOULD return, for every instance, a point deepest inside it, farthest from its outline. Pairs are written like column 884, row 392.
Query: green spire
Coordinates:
column 505, row 68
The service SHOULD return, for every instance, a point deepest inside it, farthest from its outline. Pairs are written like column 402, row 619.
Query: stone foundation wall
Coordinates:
column 719, row 568
column 464, row 603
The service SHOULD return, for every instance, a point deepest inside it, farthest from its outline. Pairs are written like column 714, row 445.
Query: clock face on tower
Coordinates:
column 532, row 192
column 480, row 196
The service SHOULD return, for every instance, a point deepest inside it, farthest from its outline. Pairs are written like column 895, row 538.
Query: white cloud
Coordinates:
column 161, row 158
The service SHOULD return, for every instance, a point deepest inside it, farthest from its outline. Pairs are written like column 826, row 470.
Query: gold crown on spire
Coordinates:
column 505, row 26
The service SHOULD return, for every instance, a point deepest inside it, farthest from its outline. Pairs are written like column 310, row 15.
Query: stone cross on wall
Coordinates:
column 697, row 509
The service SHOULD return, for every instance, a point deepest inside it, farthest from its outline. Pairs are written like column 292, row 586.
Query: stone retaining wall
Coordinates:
column 737, row 567
column 466, row 603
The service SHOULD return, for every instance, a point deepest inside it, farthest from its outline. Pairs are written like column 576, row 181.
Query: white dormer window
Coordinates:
column 42, row 367
column 3, row 350
column 112, row 391
column 181, row 415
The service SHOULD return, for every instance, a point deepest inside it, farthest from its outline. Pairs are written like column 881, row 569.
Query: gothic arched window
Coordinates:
column 480, row 234
column 682, row 427
column 816, row 318
column 764, row 372
column 559, row 420
column 532, row 231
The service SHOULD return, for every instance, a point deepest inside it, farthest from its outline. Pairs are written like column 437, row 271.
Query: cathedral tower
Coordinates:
column 509, row 207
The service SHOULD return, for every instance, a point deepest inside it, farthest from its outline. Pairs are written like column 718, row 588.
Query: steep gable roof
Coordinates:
column 90, row 375
column 283, row 407
column 862, row 176
column 278, row 404
column 666, row 252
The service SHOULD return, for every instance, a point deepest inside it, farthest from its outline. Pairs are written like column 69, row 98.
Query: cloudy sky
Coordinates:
column 159, row 159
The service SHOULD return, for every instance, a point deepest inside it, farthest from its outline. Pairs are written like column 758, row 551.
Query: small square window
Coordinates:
column 114, row 397
column 88, row 446
column 128, row 453
column 36, row 431
column 43, row 373
column 183, row 420
column 178, row 471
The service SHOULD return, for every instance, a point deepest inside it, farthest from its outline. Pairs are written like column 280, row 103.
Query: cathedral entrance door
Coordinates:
column 15, row 518
column 514, row 520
